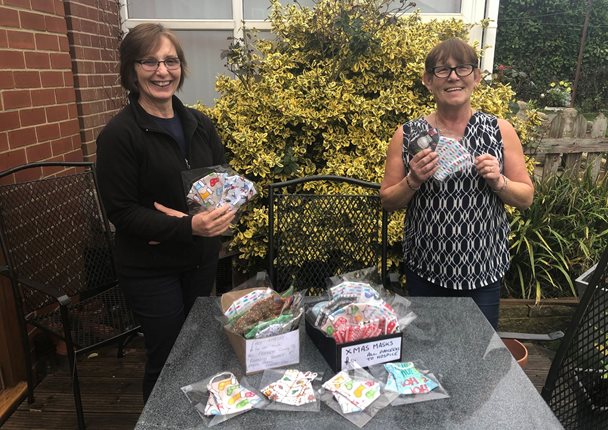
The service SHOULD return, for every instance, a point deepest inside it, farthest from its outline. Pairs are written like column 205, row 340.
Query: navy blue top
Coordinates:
column 173, row 126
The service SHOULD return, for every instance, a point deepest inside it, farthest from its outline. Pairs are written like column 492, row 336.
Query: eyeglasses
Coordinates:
column 151, row 64
column 461, row 70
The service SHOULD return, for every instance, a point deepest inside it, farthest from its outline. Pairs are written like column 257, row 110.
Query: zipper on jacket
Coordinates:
column 148, row 130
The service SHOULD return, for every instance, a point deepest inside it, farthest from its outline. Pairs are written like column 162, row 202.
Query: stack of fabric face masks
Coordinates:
column 355, row 311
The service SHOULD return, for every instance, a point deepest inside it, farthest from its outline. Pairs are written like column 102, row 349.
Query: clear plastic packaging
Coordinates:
column 291, row 390
column 356, row 394
column 357, row 309
column 452, row 155
column 221, row 397
column 263, row 312
column 211, row 187
column 412, row 382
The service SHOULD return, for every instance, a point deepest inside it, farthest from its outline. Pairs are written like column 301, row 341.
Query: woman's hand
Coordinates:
column 397, row 189
column 166, row 211
column 169, row 211
column 208, row 224
column 488, row 168
column 214, row 222
column 422, row 166
column 514, row 186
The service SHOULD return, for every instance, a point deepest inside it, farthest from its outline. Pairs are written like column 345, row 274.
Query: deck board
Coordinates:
column 110, row 389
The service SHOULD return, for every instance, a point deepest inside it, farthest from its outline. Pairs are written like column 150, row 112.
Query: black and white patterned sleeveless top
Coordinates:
column 456, row 231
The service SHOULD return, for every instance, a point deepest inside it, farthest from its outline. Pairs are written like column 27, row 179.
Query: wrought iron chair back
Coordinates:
column 577, row 384
column 57, row 245
column 320, row 226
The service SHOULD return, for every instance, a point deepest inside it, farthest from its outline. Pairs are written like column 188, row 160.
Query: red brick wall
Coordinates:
column 58, row 87
column 58, row 78
column 38, row 115
column 94, row 33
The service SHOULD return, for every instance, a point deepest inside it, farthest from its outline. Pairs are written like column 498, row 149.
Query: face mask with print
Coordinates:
column 452, row 158
column 227, row 396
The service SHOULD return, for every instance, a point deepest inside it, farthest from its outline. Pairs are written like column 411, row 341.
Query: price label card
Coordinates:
column 270, row 352
column 374, row 352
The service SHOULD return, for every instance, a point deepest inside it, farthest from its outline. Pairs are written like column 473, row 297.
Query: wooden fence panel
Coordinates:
column 570, row 148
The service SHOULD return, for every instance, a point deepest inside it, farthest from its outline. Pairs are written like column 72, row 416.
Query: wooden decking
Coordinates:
column 111, row 391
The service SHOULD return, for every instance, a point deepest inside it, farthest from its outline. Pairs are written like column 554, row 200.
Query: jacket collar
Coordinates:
column 144, row 120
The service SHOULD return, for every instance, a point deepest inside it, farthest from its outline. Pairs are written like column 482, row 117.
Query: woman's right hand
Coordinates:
column 422, row 166
column 214, row 222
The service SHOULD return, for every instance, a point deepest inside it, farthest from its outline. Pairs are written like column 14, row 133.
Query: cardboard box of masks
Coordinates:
column 374, row 350
column 256, row 355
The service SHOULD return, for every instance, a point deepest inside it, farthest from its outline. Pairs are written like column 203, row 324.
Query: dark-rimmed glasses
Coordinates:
column 151, row 64
column 461, row 70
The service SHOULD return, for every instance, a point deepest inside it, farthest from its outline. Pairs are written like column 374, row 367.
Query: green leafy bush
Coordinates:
column 325, row 95
column 560, row 236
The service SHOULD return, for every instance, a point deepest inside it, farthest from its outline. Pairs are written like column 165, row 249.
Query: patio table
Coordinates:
column 488, row 389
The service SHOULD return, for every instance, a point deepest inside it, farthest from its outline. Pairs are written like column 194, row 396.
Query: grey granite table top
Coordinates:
column 488, row 389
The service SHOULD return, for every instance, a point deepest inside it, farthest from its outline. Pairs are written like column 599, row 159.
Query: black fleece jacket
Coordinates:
column 139, row 164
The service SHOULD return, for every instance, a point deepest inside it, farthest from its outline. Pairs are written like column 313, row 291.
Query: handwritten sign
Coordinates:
column 375, row 352
column 275, row 351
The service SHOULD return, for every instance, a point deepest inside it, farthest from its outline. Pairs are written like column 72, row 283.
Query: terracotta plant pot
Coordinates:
column 518, row 350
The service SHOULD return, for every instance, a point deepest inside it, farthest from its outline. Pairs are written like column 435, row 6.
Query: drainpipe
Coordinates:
column 488, row 37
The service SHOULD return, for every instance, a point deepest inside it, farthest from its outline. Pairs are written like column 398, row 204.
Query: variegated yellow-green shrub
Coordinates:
column 325, row 96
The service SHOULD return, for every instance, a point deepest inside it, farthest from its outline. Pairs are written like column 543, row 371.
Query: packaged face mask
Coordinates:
column 241, row 305
column 211, row 187
column 294, row 388
column 404, row 378
column 227, row 396
column 423, row 139
column 452, row 157
column 353, row 395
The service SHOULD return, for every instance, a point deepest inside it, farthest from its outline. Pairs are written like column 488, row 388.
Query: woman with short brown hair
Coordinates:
column 454, row 170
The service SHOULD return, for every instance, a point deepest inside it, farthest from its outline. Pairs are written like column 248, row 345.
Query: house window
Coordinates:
column 203, row 27
column 434, row 6
column 179, row 9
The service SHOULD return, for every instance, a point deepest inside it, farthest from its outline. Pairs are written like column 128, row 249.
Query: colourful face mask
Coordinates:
column 220, row 188
column 239, row 306
column 353, row 395
column 227, row 396
column 453, row 157
column 404, row 378
column 294, row 388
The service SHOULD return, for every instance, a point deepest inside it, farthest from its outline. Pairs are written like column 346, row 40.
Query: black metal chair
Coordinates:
column 57, row 245
column 577, row 384
column 320, row 226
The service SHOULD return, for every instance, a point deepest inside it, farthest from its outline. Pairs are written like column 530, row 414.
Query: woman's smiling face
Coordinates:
column 452, row 90
column 157, row 87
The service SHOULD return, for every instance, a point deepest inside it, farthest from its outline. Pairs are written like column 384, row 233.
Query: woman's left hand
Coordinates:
column 166, row 211
column 488, row 168
column 169, row 211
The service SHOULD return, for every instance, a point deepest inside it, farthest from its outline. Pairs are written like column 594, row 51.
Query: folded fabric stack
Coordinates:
column 264, row 313
column 355, row 311
column 219, row 188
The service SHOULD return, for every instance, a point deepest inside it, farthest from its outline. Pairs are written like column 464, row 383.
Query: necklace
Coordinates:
column 456, row 132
